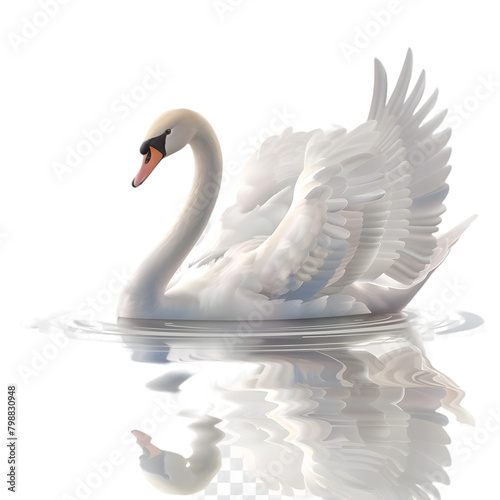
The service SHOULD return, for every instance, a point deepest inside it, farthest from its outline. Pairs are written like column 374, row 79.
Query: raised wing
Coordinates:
column 367, row 203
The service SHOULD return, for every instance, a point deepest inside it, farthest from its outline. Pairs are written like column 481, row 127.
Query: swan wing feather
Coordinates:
column 415, row 174
column 311, row 242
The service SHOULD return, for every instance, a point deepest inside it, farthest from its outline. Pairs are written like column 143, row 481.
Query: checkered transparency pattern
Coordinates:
column 234, row 483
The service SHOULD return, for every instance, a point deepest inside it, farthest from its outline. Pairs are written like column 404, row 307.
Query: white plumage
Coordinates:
column 326, row 223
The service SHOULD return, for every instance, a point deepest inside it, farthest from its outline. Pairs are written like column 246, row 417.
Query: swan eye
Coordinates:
column 148, row 157
column 168, row 131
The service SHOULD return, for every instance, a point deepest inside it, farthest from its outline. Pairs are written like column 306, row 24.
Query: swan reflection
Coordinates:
column 358, row 420
column 171, row 472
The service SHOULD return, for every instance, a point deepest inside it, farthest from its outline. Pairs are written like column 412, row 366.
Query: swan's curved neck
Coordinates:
column 145, row 292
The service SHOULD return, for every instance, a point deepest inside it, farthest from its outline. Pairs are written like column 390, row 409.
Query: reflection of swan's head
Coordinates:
column 174, row 474
column 155, row 462
column 169, row 133
column 144, row 441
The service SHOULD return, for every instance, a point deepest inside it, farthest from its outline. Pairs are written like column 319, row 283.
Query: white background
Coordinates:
column 63, row 236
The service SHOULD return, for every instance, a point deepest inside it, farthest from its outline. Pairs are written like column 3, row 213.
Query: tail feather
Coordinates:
column 388, row 296
column 453, row 235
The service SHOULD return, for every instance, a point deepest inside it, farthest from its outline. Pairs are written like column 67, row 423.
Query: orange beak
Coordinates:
column 149, row 162
column 144, row 441
column 142, row 437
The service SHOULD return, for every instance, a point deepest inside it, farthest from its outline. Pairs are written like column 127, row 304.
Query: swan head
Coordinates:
column 172, row 473
column 169, row 133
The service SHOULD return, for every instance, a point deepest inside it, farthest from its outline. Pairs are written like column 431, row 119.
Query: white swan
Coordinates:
column 325, row 223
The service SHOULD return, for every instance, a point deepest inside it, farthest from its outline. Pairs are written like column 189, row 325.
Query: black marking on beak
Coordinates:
column 157, row 142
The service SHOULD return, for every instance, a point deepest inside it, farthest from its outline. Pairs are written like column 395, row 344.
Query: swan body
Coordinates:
column 326, row 223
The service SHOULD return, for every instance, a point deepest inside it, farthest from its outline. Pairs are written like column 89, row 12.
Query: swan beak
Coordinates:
column 148, row 165
column 144, row 441
column 141, row 437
